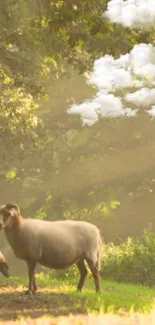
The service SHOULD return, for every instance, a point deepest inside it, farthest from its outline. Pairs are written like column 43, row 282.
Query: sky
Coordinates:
column 132, row 76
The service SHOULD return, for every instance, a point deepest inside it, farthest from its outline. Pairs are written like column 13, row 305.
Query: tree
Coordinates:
column 57, row 167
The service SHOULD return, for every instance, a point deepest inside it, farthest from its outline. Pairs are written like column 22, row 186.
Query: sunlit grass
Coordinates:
column 114, row 297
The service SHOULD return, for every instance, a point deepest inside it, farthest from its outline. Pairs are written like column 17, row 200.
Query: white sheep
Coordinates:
column 4, row 267
column 53, row 244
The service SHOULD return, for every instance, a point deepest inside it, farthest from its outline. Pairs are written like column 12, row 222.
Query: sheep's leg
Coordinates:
column 95, row 272
column 34, row 284
column 31, row 267
column 83, row 273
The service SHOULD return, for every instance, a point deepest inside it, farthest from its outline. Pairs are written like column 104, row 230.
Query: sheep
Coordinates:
column 4, row 267
column 53, row 244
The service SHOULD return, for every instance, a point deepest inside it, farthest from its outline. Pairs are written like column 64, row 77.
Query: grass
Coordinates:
column 58, row 297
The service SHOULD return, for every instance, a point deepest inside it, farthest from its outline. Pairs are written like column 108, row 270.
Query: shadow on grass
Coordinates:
column 60, row 299
column 15, row 304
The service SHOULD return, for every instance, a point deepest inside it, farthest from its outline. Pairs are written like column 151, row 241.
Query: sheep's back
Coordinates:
column 65, row 242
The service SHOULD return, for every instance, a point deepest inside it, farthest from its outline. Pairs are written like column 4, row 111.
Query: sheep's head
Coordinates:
column 4, row 268
column 7, row 214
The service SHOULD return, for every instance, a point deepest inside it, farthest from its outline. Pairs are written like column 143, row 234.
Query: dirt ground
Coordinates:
column 14, row 303
column 50, row 308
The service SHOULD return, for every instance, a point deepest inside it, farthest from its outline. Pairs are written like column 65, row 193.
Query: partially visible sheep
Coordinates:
column 53, row 244
column 4, row 268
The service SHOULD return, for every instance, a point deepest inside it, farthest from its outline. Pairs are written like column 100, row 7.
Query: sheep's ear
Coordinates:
column 11, row 206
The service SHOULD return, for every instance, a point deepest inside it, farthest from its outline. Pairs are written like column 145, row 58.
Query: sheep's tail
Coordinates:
column 98, row 263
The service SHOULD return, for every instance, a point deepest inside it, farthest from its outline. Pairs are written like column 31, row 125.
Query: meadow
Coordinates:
column 58, row 302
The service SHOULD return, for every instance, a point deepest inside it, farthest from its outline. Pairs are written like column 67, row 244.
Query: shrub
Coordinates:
column 132, row 261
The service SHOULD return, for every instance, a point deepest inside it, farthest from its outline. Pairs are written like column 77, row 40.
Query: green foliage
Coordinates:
column 41, row 214
column 132, row 261
column 38, row 38
column 19, row 124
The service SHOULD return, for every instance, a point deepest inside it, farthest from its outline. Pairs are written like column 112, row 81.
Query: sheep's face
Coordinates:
column 7, row 214
column 4, row 268
column 5, row 217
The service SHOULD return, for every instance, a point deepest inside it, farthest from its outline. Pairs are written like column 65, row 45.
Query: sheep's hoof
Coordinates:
column 79, row 289
column 28, row 292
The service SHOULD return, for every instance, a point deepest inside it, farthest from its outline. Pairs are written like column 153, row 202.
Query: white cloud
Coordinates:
column 109, row 75
column 131, row 76
column 144, row 97
column 142, row 55
column 111, row 106
column 152, row 111
column 88, row 111
column 131, row 13
column 103, row 105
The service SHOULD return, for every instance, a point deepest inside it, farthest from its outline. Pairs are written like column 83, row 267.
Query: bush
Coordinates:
column 132, row 261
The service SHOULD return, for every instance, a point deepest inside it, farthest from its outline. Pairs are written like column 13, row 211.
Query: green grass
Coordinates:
column 114, row 297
